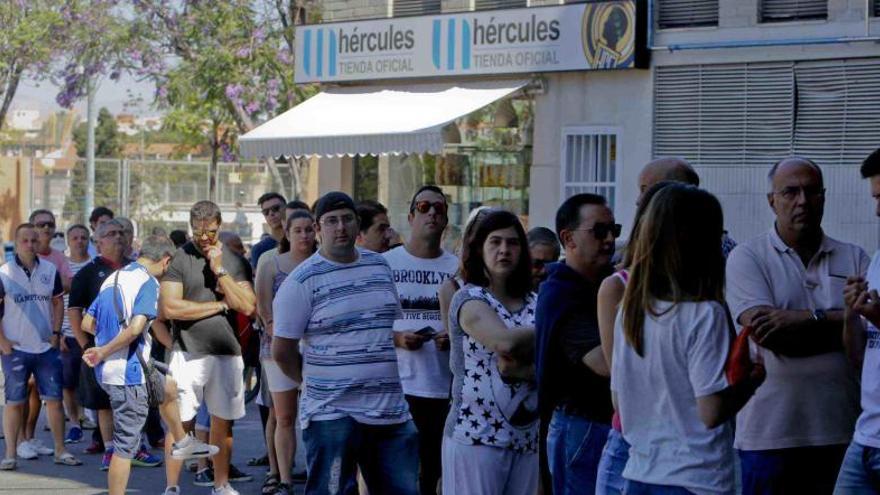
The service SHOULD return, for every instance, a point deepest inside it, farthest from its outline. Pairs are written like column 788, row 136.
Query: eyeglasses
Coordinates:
column 336, row 221
column 45, row 225
column 601, row 230
column 793, row 192
column 539, row 264
column 425, row 207
column 210, row 234
column 271, row 209
column 112, row 233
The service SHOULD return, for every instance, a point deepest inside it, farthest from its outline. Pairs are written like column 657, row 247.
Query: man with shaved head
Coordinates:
column 787, row 287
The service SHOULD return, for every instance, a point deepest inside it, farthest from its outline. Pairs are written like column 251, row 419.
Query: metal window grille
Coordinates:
column 687, row 13
column 590, row 156
column 416, row 7
column 793, row 10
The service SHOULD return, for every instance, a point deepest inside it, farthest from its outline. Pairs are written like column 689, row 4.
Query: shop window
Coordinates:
column 686, row 13
column 793, row 10
column 366, row 177
column 499, row 4
column 416, row 7
column 590, row 158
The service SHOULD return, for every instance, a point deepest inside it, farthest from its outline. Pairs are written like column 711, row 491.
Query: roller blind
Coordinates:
column 687, row 13
column 837, row 118
column 499, row 4
column 792, row 10
column 730, row 114
column 416, row 7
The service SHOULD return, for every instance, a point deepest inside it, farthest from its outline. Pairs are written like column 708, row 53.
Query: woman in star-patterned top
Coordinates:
column 490, row 442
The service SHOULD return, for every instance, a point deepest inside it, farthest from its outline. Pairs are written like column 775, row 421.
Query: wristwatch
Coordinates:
column 819, row 315
column 221, row 273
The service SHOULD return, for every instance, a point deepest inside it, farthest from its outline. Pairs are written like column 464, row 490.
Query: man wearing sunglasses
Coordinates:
column 272, row 205
column 44, row 222
column 352, row 408
column 420, row 266
column 203, row 284
column 573, row 389
column 544, row 248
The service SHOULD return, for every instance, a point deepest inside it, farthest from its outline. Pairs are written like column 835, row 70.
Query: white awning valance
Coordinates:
column 371, row 120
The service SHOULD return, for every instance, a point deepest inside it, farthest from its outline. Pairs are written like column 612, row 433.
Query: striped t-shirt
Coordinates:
column 344, row 313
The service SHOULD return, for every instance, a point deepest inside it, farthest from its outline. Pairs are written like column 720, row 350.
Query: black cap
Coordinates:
column 334, row 200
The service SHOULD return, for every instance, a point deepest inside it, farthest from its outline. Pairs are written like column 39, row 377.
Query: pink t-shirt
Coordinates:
column 58, row 259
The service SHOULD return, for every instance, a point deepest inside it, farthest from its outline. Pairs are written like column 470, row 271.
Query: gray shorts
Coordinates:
column 130, row 408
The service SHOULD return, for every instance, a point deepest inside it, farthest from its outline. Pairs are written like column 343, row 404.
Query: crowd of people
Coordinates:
column 550, row 361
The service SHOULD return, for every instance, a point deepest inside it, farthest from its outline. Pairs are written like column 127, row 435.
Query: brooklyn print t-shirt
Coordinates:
column 425, row 371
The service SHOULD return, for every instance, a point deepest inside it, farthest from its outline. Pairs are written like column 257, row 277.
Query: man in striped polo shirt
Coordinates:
column 342, row 303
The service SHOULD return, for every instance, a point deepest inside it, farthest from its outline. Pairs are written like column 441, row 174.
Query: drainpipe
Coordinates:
column 759, row 43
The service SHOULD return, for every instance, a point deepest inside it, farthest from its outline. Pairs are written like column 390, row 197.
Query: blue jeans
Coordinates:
column 19, row 366
column 574, row 447
column 639, row 488
column 860, row 471
column 794, row 470
column 609, row 480
column 388, row 456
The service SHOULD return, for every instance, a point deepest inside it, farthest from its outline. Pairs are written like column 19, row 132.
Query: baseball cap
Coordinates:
column 334, row 200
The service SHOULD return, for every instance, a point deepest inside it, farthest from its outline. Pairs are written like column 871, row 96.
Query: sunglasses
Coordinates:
column 45, row 225
column 271, row 209
column 539, row 264
column 601, row 230
column 210, row 234
column 425, row 207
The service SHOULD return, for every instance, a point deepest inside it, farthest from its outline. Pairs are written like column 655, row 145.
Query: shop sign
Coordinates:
column 586, row 36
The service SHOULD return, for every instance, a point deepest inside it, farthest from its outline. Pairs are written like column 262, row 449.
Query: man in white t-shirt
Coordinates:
column 352, row 409
column 860, row 470
column 787, row 285
column 30, row 326
column 420, row 267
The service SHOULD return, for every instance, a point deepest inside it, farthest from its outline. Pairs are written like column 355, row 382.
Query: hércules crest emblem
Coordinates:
column 608, row 34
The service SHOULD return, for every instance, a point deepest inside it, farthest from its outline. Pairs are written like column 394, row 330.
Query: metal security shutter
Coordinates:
column 792, row 10
column 499, row 4
column 837, row 118
column 876, row 8
column 687, row 13
column 723, row 115
column 416, row 7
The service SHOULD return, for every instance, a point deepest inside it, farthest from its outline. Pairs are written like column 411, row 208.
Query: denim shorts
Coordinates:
column 19, row 366
column 130, row 409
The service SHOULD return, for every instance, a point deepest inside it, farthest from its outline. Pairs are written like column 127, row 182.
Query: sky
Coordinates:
column 40, row 95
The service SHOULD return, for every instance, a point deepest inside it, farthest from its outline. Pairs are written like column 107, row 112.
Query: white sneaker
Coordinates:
column 225, row 490
column 172, row 490
column 26, row 451
column 192, row 448
column 40, row 447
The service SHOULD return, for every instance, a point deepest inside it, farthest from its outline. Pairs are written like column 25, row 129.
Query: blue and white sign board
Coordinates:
column 587, row 36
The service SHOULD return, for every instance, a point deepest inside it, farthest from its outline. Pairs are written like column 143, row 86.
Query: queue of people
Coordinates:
column 523, row 363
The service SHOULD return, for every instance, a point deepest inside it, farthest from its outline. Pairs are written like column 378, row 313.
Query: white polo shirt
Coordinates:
column 805, row 401
column 27, row 304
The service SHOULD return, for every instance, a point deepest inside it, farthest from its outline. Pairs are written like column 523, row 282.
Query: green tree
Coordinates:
column 107, row 138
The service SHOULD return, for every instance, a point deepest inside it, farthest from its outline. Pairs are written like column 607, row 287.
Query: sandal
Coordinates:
column 67, row 459
column 8, row 464
column 270, row 484
column 258, row 461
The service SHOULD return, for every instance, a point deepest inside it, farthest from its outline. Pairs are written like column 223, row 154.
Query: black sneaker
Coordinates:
column 205, row 477
column 299, row 476
column 238, row 476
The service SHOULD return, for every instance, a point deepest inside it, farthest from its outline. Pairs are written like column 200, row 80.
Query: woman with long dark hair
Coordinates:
column 491, row 440
column 671, row 341
column 297, row 245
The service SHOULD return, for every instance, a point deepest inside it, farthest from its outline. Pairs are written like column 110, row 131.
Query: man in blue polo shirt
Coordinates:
column 31, row 309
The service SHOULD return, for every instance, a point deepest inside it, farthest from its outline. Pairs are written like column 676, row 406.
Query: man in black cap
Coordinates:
column 352, row 408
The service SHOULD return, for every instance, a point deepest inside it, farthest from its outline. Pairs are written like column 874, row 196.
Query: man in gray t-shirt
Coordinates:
column 203, row 283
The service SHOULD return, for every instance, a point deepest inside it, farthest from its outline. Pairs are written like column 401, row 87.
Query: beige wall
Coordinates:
column 14, row 181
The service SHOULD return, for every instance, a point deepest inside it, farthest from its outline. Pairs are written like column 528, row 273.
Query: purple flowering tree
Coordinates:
column 220, row 68
column 31, row 33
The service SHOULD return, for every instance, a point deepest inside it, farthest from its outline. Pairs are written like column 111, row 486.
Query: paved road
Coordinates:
column 42, row 476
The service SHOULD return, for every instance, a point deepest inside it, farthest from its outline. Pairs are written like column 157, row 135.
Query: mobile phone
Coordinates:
column 426, row 332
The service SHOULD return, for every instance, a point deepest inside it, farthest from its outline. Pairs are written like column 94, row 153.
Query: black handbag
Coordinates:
column 154, row 371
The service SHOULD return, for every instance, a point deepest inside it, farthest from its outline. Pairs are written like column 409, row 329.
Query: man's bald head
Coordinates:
column 793, row 163
column 667, row 169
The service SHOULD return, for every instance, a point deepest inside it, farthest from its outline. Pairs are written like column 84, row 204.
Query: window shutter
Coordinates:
column 416, row 7
column 876, row 8
column 687, row 13
column 499, row 4
column 793, row 10
column 837, row 118
column 724, row 115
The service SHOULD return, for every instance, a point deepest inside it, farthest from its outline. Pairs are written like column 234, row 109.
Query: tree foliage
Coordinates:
column 107, row 139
